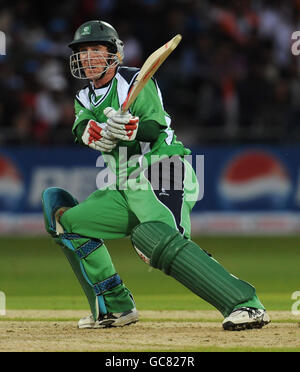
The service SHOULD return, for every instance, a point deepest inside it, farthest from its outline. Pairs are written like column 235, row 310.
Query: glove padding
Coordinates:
column 96, row 137
column 121, row 126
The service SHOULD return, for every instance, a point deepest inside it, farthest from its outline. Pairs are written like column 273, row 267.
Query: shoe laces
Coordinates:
column 252, row 311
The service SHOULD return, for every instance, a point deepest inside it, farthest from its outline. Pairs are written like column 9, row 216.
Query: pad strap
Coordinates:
column 107, row 284
column 85, row 249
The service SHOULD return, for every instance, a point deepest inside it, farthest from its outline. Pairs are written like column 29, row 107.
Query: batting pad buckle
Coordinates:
column 107, row 284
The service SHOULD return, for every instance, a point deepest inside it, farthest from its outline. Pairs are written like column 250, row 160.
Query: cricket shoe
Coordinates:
column 109, row 320
column 246, row 318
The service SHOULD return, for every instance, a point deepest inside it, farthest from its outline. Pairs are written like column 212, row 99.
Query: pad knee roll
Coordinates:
column 54, row 198
column 164, row 248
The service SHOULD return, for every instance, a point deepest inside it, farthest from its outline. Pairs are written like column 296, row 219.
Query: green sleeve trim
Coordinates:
column 148, row 131
column 81, row 114
column 78, row 131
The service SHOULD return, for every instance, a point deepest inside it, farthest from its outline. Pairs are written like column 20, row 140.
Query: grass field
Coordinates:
column 34, row 275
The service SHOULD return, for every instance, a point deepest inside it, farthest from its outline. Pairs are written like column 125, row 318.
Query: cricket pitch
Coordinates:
column 173, row 331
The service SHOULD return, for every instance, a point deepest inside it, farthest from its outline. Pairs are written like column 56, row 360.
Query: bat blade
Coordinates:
column 149, row 68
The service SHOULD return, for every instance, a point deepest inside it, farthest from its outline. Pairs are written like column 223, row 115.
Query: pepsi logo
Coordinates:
column 254, row 179
column 11, row 185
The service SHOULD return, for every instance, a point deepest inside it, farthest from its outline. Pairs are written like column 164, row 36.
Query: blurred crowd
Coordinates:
column 232, row 79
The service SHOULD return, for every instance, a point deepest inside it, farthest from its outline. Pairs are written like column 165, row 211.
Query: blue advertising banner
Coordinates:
column 236, row 182
column 25, row 173
column 251, row 178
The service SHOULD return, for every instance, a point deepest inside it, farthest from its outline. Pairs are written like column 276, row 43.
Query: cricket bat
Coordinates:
column 148, row 69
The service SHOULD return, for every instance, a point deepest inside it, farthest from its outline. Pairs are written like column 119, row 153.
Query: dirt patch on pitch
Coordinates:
column 157, row 331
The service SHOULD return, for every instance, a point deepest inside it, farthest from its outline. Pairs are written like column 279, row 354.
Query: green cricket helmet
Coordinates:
column 95, row 32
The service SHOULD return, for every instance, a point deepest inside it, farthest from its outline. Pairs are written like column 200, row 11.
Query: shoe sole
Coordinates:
column 109, row 323
column 230, row 326
column 85, row 327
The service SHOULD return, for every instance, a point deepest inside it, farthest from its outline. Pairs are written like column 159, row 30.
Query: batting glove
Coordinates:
column 96, row 137
column 122, row 126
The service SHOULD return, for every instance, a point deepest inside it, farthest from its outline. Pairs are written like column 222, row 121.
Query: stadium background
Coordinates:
column 232, row 89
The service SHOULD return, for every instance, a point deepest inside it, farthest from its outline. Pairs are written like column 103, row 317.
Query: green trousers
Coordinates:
column 113, row 213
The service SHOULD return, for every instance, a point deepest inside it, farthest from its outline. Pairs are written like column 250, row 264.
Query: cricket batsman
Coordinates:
column 153, row 193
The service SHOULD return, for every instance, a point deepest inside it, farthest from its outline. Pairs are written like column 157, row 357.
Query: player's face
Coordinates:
column 94, row 60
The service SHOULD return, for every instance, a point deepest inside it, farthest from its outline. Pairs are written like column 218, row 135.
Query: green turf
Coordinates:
column 34, row 273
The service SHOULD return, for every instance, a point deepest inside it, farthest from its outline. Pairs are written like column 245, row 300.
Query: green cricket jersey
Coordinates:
column 148, row 106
